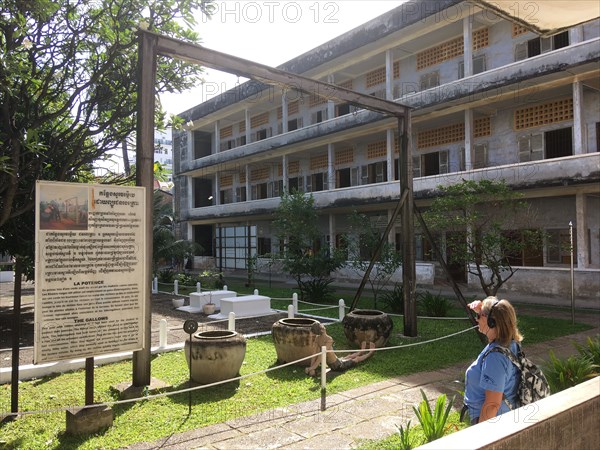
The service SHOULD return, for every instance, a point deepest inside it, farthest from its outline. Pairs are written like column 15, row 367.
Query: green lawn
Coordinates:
column 155, row 418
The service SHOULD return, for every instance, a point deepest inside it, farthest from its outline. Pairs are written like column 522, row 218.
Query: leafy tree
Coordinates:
column 68, row 84
column 304, row 259
column 369, row 237
column 485, row 214
column 166, row 247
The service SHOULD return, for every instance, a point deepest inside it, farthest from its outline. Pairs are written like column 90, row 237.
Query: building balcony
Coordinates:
column 559, row 176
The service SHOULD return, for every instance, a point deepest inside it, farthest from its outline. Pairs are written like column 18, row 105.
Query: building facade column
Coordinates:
column 284, row 113
column 191, row 193
column 579, row 143
column 330, row 103
column 216, row 200
column 330, row 167
column 468, row 45
column 583, row 242
column 248, row 186
column 389, row 74
column 286, row 181
column 468, row 162
column 389, row 145
column 247, row 121
column 217, row 139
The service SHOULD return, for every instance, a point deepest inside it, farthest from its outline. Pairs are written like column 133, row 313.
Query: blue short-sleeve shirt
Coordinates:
column 495, row 373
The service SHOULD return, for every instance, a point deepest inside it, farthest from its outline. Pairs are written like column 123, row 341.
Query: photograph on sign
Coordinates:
column 89, row 271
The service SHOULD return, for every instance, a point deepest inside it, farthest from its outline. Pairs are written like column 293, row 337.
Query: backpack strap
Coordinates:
column 512, row 358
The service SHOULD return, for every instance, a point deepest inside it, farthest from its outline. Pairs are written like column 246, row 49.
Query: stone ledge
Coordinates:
column 567, row 419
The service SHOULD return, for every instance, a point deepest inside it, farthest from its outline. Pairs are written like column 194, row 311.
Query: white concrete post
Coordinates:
column 255, row 291
column 295, row 302
column 342, row 309
column 224, row 287
column 323, row 367
column 155, row 285
column 290, row 311
column 176, row 287
column 231, row 321
column 162, row 337
column 198, row 287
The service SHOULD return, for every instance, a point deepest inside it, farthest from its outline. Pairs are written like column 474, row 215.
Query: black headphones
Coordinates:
column 491, row 322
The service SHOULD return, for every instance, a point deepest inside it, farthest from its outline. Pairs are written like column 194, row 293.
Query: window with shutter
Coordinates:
column 354, row 179
column 479, row 156
column 478, row 66
column 521, row 51
column 416, row 166
column 443, row 161
column 531, row 147
column 537, row 147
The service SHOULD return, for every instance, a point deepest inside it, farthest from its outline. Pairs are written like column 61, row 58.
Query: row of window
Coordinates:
column 547, row 145
column 523, row 50
column 235, row 243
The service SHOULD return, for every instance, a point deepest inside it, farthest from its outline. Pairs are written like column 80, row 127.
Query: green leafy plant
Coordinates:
column 185, row 279
column 434, row 305
column 592, row 350
column 433, row 422
column 166, row 276
column 210, row 279
column 568, row 372
column 394, row 300
column 405, row 437
column 317, row 290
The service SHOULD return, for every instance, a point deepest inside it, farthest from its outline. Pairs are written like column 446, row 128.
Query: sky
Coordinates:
column 270, row 33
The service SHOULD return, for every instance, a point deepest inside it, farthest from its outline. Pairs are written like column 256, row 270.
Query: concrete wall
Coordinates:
column 551, row 281
column 565, row 420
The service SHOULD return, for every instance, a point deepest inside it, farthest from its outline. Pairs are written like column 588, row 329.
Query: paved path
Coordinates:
column 368, row 412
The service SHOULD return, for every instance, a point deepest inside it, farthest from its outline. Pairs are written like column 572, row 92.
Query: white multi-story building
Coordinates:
column 490, row 100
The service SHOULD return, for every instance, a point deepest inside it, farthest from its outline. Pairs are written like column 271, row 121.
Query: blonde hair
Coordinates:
column 506, row 320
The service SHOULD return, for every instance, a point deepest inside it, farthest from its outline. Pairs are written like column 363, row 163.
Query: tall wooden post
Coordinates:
column 409, row 271
column 145, row 177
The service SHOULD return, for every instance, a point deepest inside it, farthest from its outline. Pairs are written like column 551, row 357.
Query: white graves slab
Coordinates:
column 244, row 306
column 198, row 299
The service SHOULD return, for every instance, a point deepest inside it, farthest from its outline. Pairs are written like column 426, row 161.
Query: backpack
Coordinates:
column 533, row 385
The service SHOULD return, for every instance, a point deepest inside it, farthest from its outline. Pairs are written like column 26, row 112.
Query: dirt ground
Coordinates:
column 162, row 308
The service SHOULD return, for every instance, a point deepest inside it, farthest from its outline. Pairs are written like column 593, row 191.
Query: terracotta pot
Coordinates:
column 209, row 308
column 367, row 325
column 216, row 355
column 178, row 302
column 294, row 340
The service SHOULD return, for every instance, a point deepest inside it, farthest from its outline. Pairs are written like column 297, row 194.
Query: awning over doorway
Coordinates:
column 544, row 17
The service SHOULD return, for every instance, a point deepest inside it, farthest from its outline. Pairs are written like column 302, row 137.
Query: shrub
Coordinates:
column 434, row 305
column 393, row 300
column 186, row 279
column 592, row 350
column 433, row 423
column 210, row 279
column 317, row 290
column 406, row 438
column 166, row 276
column 568, row 372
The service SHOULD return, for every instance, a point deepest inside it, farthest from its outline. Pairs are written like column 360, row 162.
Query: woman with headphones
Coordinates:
column 491, row 381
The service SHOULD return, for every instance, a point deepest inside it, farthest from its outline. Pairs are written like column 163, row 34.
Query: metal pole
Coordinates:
column 572, row 274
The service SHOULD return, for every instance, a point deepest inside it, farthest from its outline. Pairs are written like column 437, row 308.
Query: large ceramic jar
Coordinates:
column 368, row 325
column 294, row 340
column 216, row 355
